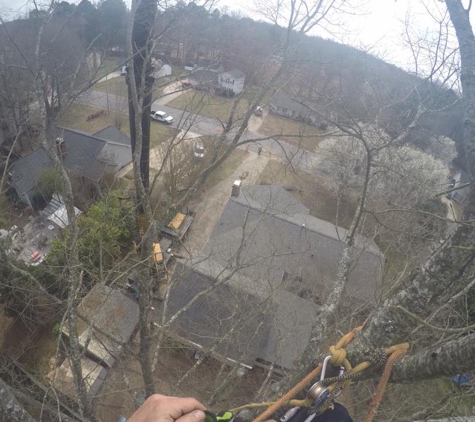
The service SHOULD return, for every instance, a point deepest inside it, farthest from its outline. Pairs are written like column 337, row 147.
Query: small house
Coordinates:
column 165, row 70
column 86, row 156
column 231, row 82
column 283, row 105
column 461, row 194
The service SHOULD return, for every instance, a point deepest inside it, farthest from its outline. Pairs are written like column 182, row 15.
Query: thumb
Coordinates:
column 195, row 416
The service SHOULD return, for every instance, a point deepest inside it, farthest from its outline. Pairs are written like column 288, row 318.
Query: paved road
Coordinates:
column 299, row 158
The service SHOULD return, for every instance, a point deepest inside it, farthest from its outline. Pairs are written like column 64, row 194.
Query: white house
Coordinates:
column 231, row 82
column 165, row 70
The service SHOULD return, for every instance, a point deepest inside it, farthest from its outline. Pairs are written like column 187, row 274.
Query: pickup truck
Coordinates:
column 162, row 117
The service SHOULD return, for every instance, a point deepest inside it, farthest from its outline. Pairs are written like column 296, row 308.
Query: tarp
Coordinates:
column 60, row 216
column 177, row 221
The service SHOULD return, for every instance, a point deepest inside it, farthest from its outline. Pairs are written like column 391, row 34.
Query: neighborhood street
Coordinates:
column 282, row 150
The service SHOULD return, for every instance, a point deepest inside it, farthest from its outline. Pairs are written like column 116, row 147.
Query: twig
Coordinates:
column 433, row 327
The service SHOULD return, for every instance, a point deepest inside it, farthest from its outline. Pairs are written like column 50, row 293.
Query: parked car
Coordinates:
column 186, row 83
column 162, row 117
column 258, row 111
column 198, row 150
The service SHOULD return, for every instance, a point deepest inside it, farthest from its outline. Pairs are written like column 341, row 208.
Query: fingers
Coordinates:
column 195, row 416
column 158, row 408
column 178, row 407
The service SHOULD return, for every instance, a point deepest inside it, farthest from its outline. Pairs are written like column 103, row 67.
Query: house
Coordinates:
column 84, row 155
column 204, row 79
column 460, row 195
column 94, row 376
column 268, row 265
column 283, row 105
column 231, row 82
column 114, row 317
column 111, row 312
column 165, row 70
column 214, row 79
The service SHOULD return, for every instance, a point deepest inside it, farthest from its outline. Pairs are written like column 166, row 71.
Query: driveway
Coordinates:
column 201, row 125
column 209, row 206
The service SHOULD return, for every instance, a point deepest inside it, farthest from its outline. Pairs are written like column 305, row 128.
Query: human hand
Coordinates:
column 158, row 408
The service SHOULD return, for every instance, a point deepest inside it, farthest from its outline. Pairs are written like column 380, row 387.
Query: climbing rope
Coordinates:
column 344, row 341
column 379, row 358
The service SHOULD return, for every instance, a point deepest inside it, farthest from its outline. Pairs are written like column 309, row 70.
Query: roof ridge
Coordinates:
column 85, row 134
column 308, row 217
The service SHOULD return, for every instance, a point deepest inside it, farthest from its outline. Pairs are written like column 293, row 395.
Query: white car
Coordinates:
column 198, row 150
column 162, row 117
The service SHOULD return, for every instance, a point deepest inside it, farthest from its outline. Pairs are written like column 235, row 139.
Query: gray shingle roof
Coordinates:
column 228, row 320
column 111, row 311
column 284, row 100
column 87, row 155
column 112, row 134
column 271, row 263
column 203, row 77
column 272, row 198
column 26, row 171
column 236, row 73
column 298, row 244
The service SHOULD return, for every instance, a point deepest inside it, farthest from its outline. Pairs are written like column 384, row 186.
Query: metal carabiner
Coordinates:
column 318, row 392
column 317, row 389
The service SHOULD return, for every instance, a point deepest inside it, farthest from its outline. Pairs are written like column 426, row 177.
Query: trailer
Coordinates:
column 177, row 228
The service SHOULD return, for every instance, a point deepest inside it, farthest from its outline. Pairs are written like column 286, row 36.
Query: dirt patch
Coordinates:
column 304, row 136
column 310, row 191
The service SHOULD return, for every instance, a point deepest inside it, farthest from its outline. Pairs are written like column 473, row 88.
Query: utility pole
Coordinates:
column 141, row 31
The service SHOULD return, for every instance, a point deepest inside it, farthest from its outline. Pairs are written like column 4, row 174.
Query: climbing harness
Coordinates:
column 321, row 395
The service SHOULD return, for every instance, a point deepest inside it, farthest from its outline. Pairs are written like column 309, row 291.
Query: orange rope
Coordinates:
column 382, row 384
column 288, row 396
column 344, row 341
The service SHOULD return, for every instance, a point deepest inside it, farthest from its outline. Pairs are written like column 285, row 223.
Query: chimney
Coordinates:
column 62, row 149
column 236, row 188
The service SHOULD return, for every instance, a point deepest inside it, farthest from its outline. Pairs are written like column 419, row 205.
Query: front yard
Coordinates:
column 302, row 135
column 310, row 190
column 118, row 86
column 76, row 118
column 208, row 105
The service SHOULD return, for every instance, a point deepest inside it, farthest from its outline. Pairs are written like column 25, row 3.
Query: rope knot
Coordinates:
column 338, row 356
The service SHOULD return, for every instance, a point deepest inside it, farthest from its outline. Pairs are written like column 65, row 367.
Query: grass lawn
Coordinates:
column 308, row 136
column 76, row 118
column 116, row 86
column 226, row 169
column 208, row 105
column 308, row 189
column 107, row 66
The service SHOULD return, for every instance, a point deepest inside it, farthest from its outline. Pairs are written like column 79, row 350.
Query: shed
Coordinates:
column 111, row 312
column 93, row 373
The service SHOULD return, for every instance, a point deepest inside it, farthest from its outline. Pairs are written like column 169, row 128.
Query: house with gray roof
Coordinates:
column 228, row 83
column 284, row 105
column 107, row 320
column 84, row 155
column 268, row 259
column 204, row 79
column 111, row 312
